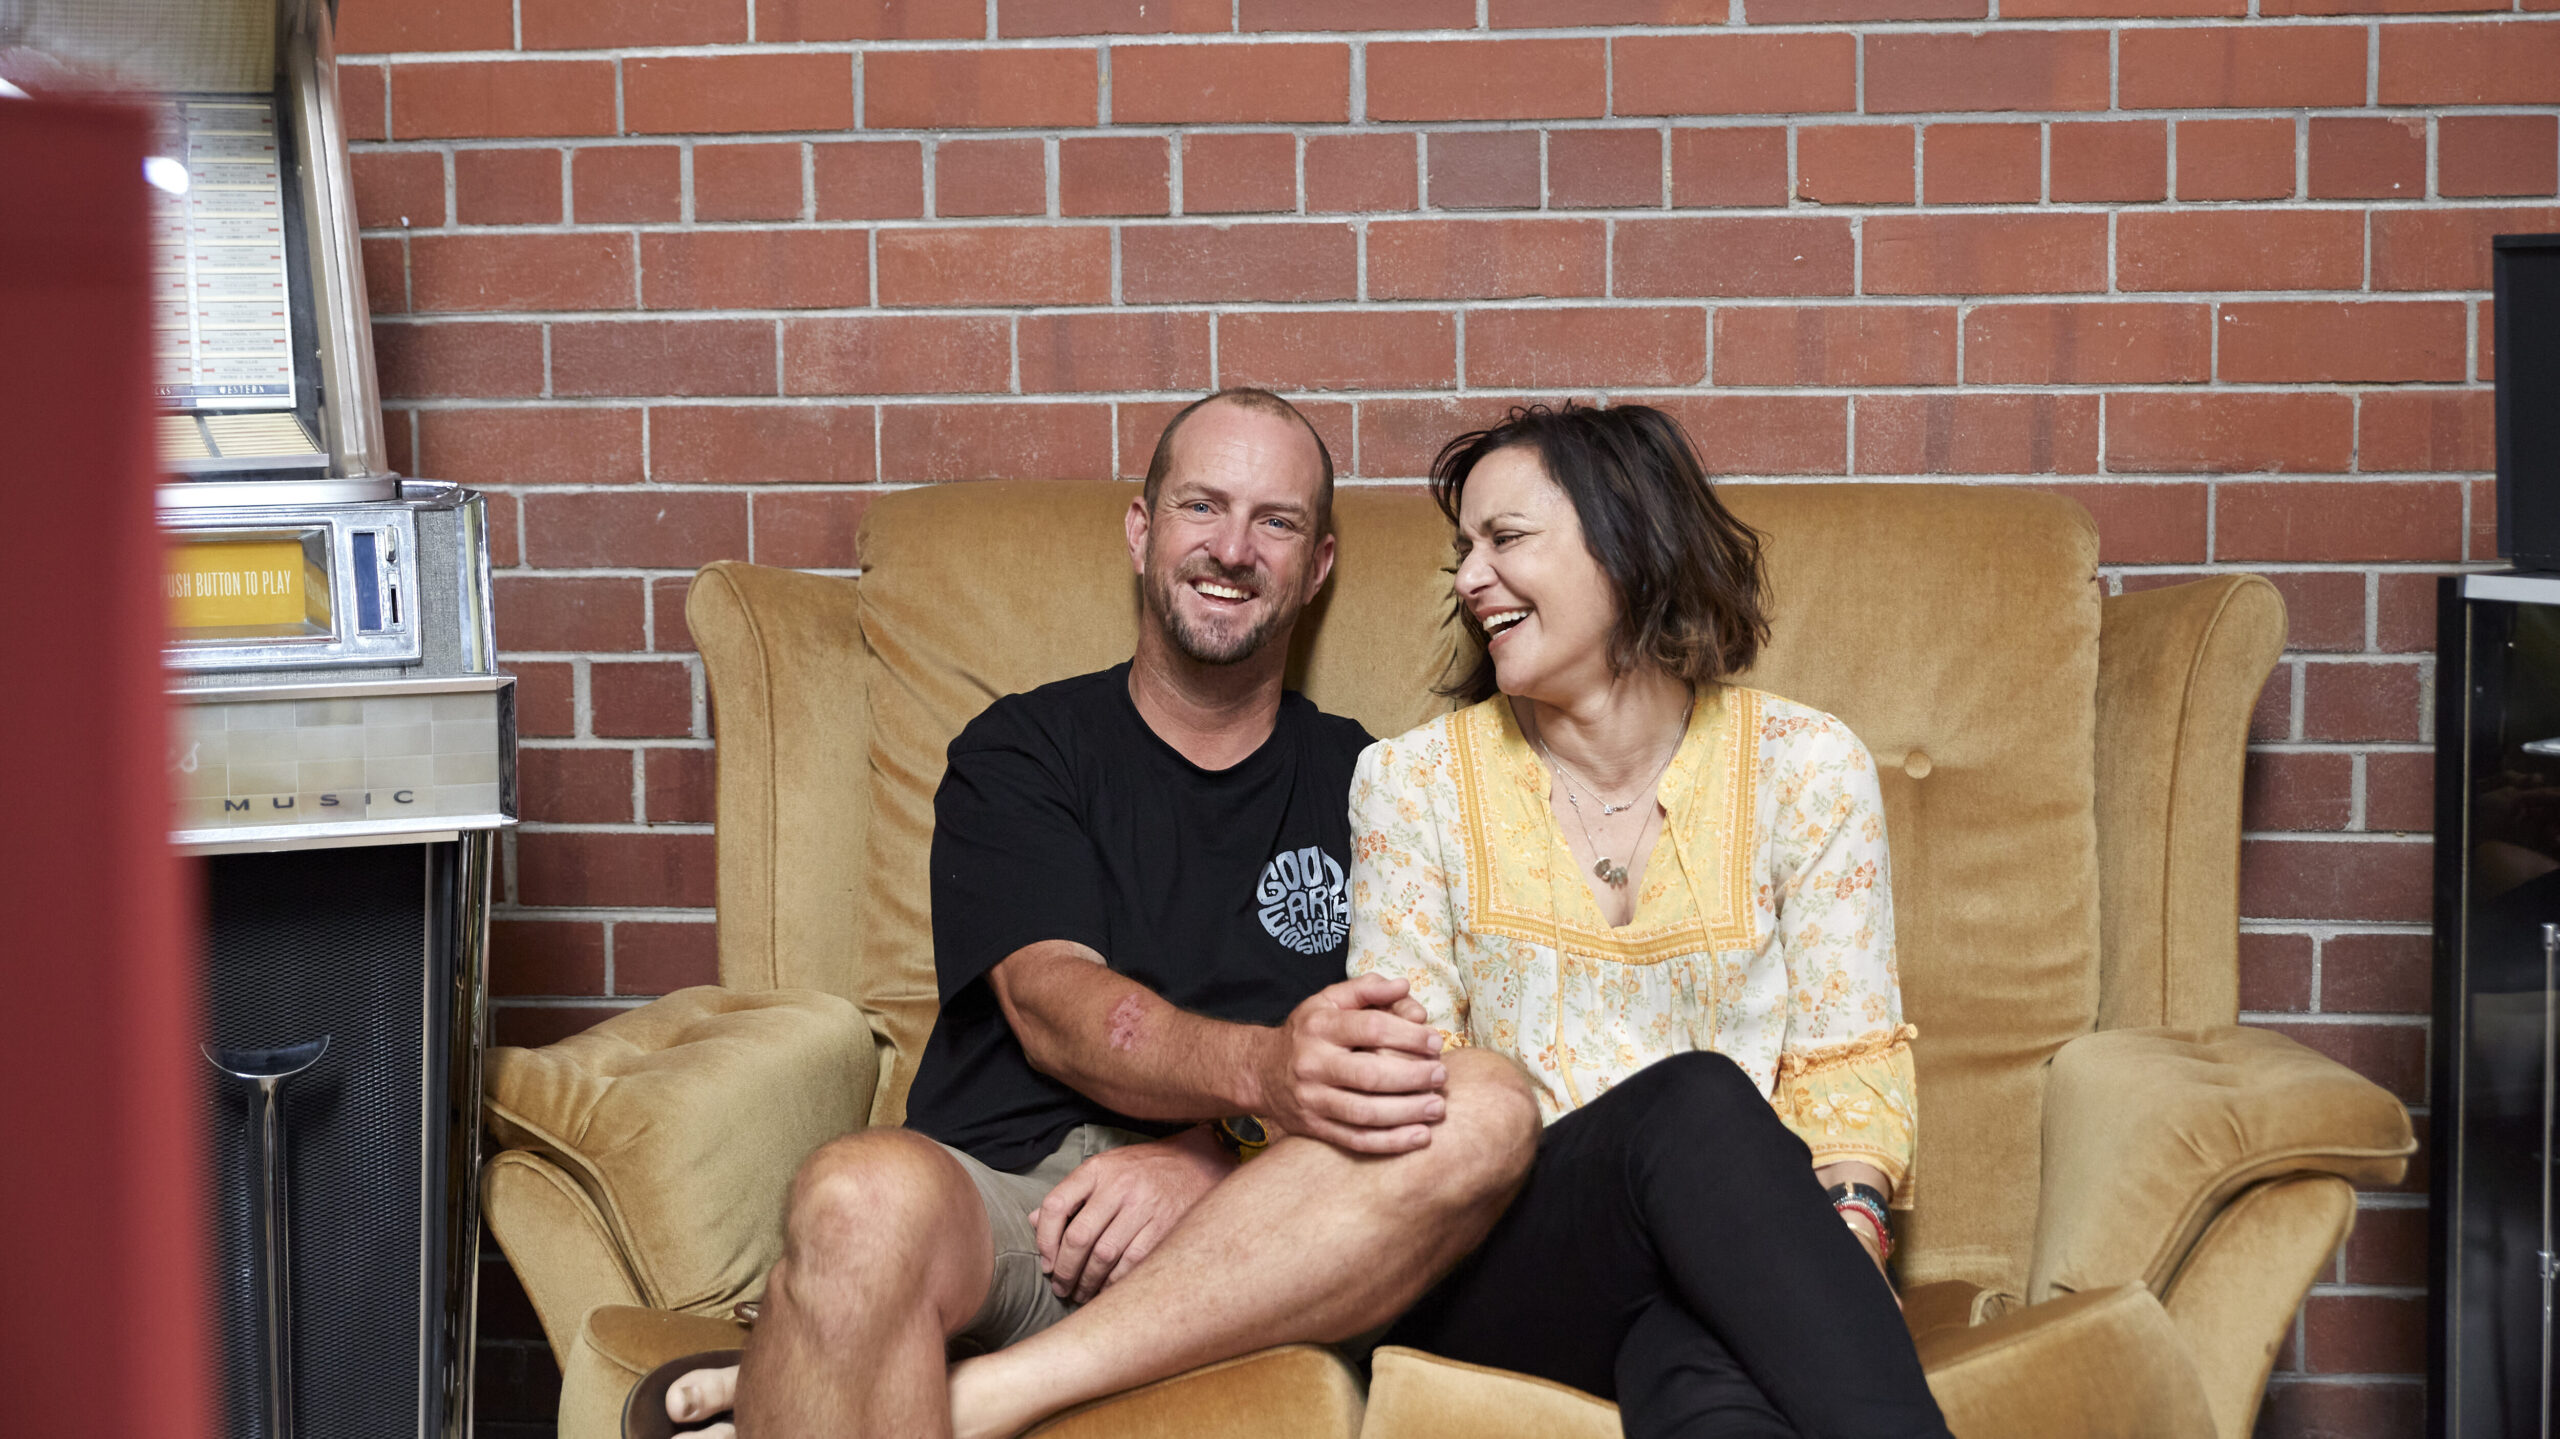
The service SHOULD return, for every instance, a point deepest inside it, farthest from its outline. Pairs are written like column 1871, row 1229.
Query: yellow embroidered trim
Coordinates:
column 1796, row 1064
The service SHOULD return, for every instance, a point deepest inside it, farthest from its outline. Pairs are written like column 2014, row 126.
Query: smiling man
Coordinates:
column 1139, row 930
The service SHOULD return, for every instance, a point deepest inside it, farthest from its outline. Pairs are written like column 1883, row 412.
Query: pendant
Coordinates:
column 1607, row 873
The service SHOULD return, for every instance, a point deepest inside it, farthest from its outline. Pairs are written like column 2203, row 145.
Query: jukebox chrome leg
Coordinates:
column 265, row 1071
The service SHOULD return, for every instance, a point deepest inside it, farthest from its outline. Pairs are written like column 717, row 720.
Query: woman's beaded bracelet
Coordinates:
column 1866, row 1202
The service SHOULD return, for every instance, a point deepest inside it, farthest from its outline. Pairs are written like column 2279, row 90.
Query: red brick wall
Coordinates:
column 688, row 279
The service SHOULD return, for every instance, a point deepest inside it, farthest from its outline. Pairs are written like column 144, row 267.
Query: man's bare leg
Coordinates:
column 886, row 1255
column 1305, row 1243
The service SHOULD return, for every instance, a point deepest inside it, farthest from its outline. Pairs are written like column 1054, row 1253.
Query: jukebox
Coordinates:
column 343, row 751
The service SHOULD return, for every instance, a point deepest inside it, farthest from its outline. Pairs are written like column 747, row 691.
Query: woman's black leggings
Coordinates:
column 1673, row 1251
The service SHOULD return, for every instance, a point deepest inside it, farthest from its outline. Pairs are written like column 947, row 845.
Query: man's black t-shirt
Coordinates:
column 1062, row 816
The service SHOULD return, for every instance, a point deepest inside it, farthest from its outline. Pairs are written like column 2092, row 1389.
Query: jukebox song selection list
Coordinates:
column 223, row 318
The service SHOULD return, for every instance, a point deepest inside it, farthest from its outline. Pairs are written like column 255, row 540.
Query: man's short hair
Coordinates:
column 1252, row 399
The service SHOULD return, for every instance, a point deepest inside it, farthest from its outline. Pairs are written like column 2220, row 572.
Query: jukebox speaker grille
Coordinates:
column 334, row 942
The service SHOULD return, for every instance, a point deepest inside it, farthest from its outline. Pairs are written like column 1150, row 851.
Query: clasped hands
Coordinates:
column 1355, row 1065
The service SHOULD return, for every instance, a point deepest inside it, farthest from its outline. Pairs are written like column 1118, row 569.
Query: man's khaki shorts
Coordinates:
column 1019, row 1300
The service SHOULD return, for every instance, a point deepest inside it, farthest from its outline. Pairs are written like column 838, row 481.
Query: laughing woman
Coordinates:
column 1666, row 895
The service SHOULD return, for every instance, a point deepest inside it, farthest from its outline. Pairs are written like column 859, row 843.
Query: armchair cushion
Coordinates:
column 2102, row 1365
column 684, row 1121
column 2149, row 1132
column 1297, row 1391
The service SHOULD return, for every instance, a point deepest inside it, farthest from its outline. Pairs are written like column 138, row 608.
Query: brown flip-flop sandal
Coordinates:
column 644, row 1414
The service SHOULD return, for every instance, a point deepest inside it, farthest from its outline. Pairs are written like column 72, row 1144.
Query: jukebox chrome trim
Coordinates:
column 388, row 576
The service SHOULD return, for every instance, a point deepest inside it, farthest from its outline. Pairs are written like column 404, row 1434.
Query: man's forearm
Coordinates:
column 1117, row 1042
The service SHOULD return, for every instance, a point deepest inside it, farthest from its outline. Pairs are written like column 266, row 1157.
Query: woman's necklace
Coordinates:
column 1603, row 868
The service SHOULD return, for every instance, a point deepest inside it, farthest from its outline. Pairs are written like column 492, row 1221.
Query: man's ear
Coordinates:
column 1323, row 568
column 1136, row 523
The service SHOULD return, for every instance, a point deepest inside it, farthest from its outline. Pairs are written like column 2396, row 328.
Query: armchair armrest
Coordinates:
column 682, row 1123
column 2148, row 1133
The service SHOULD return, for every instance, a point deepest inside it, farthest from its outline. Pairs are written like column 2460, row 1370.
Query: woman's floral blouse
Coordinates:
column 1763, row 928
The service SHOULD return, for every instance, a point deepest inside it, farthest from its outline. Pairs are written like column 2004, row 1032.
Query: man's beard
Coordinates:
column 1202, row 643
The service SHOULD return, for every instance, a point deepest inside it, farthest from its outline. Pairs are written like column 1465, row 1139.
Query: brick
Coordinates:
column 1338, row 350
column 1984, row 435
column 897, row 355
column 990, row 177
column 399, row 443
column 2275, row 970
column 1114, row 175
column 2388, row 1246
column 1835, row 345
column 2298, row 340
column 2206, row 434
column 1728, row 167
column 755, row 269
column 803, row 529
column 2447, row 248
column 1775, row 255
column 532, row 1028
column 656, row 529
column 546, row 697
column 364, row 101
column 923, row 443
column 1238, row 174
column 1541, row 349
column 551, row 956
column 1255, row 84
column 2404, row 613
column 2378, row 973
column 965, row 89
column 1399, row 437
column 2241, row 250
column 2303, row 792
column 2324, row 609
column 2386, row 520
column 761, row 444
column 1834, row 12
column 1259, row 15
column 2400, row 798
column 2497, row 154
column 2088, row 344
column 645, row 699
column 502, row 98
column 1983, row 164
column 666, row 615
column 2137, row 524
column 380, row 29
column 1604, row 169
column 2271, row 719
column 506, row 527
column 1278, row 262
column 520, row 272
column 1008, row 265
column 1766, row 434
column 1856, row 164
column 1482, row 170
column 663, row 357
column 1488, row 79
column 568, row 867
column 746, row 182
column 2354, row 158
column 2364, row 1333
column 651, row 958
column 2110, row 160
column 2233, row 66
column 2108, row 9
column 2428, row 430
column 626, row 182
column 1362, row 173
column 2481, row 63
column 869, row 179
column 2482, row 542
column 575, row 786
column 2235, row 159
column 787, row 20
column 386, row 275
column 1543, row 14
column 608, row 24
column 2335, row 879
column 1116, row 350
column 396, row 189
column 1735, row 74
column 428, row 362
column 1486, row 259
column 1985, row 254
column 730, row 94
column 2361, row 701
column 554, row 614
column 1911, row 73
column 544, row 445
column 1111, row 17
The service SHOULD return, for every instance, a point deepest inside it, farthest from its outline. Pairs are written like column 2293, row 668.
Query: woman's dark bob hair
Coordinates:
column 1691, row 598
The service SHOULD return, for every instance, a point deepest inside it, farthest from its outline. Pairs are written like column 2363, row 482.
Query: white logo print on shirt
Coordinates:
column 1303, row 902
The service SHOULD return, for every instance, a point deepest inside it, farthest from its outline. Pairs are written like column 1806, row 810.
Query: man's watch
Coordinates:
column 1242, row 1135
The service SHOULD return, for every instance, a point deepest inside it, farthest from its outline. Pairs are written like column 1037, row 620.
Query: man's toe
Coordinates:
column 702, row 1393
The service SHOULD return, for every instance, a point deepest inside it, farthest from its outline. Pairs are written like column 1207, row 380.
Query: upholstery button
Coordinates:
column 1916, row 765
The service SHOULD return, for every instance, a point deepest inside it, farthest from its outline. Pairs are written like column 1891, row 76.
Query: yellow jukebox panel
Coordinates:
column 256, row 585
column 292, row 587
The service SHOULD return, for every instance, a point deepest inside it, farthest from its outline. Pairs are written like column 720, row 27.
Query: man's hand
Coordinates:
column 1356, row 1067
column 1104, row 1219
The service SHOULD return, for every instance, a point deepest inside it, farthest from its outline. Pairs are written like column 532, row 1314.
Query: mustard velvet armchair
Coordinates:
column 2121, row 1196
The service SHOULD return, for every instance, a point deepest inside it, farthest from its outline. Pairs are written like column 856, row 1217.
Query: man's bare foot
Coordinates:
column 701, row 1394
